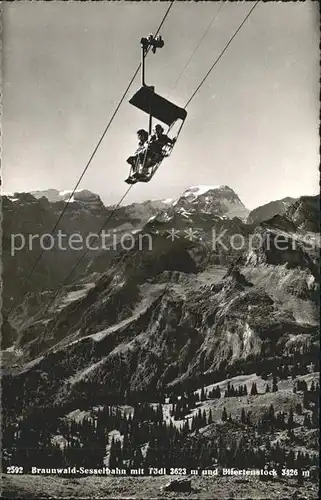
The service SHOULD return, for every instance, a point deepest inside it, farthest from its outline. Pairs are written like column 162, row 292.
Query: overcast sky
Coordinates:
column 253, row 126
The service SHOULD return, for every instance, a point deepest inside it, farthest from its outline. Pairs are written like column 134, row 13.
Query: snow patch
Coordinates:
column 199, row 190
column 184, row 212
column 68, row 191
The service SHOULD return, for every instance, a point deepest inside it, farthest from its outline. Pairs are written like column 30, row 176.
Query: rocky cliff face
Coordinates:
column 305, row 213
column 269, row 210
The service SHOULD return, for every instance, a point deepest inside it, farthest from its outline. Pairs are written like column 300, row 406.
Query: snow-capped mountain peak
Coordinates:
column 209, row 199
column 83, row 197
column 199, row 190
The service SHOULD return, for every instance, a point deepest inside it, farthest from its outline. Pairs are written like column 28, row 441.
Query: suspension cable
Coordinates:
column 105, row 131
column 221, row 54
column 87, row 250
column 188, row 102
column 88, row 164
column 198, row 45
column 96, row 148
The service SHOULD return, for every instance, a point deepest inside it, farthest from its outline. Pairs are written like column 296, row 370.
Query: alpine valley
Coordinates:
column 186, row 338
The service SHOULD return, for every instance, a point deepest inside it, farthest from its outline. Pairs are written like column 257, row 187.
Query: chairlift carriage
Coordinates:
column 157, row 107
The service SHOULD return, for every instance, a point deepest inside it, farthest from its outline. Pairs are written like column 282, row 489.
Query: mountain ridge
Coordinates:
column 181, row 281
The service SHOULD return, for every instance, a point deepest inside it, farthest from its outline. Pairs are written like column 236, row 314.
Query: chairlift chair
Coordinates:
column 157, row 107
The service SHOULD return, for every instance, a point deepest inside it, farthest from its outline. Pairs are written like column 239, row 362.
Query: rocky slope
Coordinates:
column 269, row 210
column 167, row 316
column 305, row 213
column 27, row 218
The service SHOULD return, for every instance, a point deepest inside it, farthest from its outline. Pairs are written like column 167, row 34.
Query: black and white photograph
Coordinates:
column 160, row 249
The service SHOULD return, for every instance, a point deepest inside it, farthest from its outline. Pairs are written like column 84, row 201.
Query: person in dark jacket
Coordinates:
column 158, row 140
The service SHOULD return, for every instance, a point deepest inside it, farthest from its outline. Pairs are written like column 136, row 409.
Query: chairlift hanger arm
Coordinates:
column 148, row 43
column 146, row 98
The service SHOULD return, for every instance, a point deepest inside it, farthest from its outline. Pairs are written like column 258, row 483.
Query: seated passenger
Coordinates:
column 140, row 153
column 155, row 152
column 158, row 140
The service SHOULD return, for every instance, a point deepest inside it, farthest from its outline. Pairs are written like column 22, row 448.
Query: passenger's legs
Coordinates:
column 134, row 162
